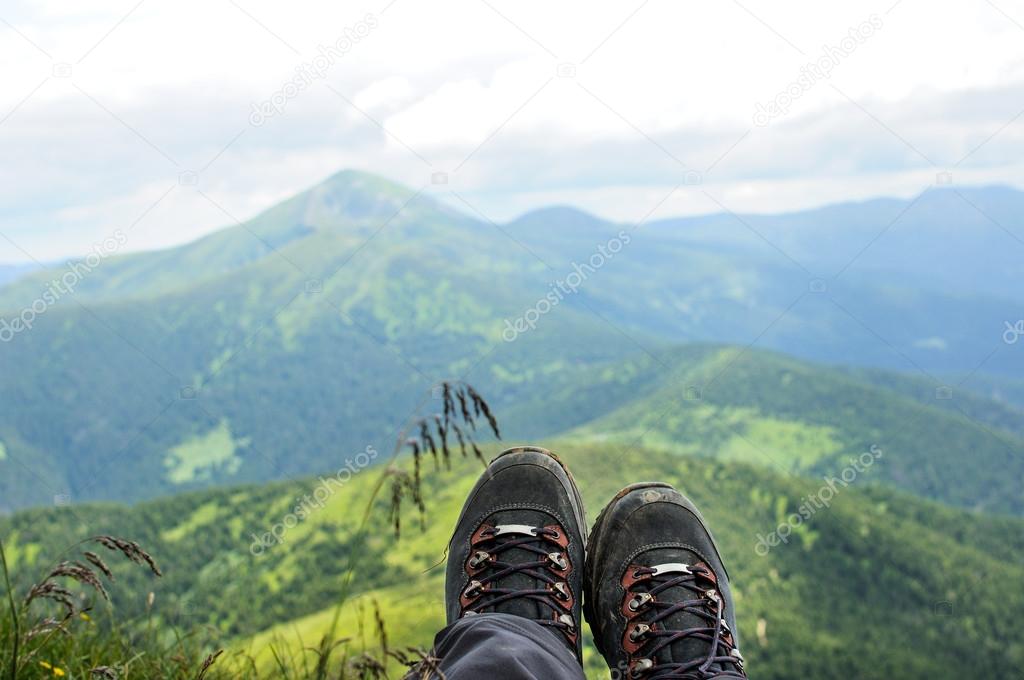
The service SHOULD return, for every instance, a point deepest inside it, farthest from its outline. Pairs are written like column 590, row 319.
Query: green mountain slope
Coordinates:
column 765, row 408
column 878, row 585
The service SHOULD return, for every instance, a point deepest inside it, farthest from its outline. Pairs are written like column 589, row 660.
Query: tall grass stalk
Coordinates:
column 12, row 675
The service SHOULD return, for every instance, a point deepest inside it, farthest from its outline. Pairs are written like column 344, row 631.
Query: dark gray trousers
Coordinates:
column 502, row 647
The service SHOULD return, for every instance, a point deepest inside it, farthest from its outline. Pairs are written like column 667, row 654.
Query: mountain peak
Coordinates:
column 355, row 194
column 364, row 181
column 560, row 216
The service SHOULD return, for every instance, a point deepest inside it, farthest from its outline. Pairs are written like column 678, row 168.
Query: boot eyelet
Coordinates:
column 559, row 560
column 638, row 632
column 473, row 589
column 561, row 590
column 639, row 601
column 479, row 559
column 641, row 573
column 640, row 667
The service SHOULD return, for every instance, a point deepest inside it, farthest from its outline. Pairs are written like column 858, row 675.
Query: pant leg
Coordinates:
column 502, row 647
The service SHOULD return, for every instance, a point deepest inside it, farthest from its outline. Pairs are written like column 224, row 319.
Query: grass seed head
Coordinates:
column 130, row 549
column 98, row 562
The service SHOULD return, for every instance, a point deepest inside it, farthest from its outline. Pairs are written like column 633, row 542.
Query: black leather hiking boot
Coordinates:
column 657, row 594
column 518, row 547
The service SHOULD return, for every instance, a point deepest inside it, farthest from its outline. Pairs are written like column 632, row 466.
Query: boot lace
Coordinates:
column 647, row 633
column 489, row 566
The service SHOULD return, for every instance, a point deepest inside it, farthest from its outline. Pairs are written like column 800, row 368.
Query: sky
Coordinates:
column 170, row 120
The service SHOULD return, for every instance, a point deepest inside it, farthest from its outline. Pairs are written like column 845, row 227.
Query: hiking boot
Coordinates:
column 657, row 594
column 518, row 547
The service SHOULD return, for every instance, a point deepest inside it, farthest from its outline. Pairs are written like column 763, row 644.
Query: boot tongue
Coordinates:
column 690, row 648
column 521, row 606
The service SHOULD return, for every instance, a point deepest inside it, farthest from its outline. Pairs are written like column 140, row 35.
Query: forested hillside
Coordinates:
column 851, row 590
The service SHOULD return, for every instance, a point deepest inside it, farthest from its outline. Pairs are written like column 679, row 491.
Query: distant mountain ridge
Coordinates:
column 954, row 239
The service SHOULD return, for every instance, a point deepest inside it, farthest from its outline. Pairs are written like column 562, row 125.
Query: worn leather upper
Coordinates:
column 523, row 487
column 649, row 525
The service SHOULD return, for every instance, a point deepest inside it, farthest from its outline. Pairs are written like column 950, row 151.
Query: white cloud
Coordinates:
column 385, row 94
column 171, row 85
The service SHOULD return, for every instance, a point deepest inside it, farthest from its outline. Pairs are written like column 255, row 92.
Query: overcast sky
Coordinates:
column 118, row 114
